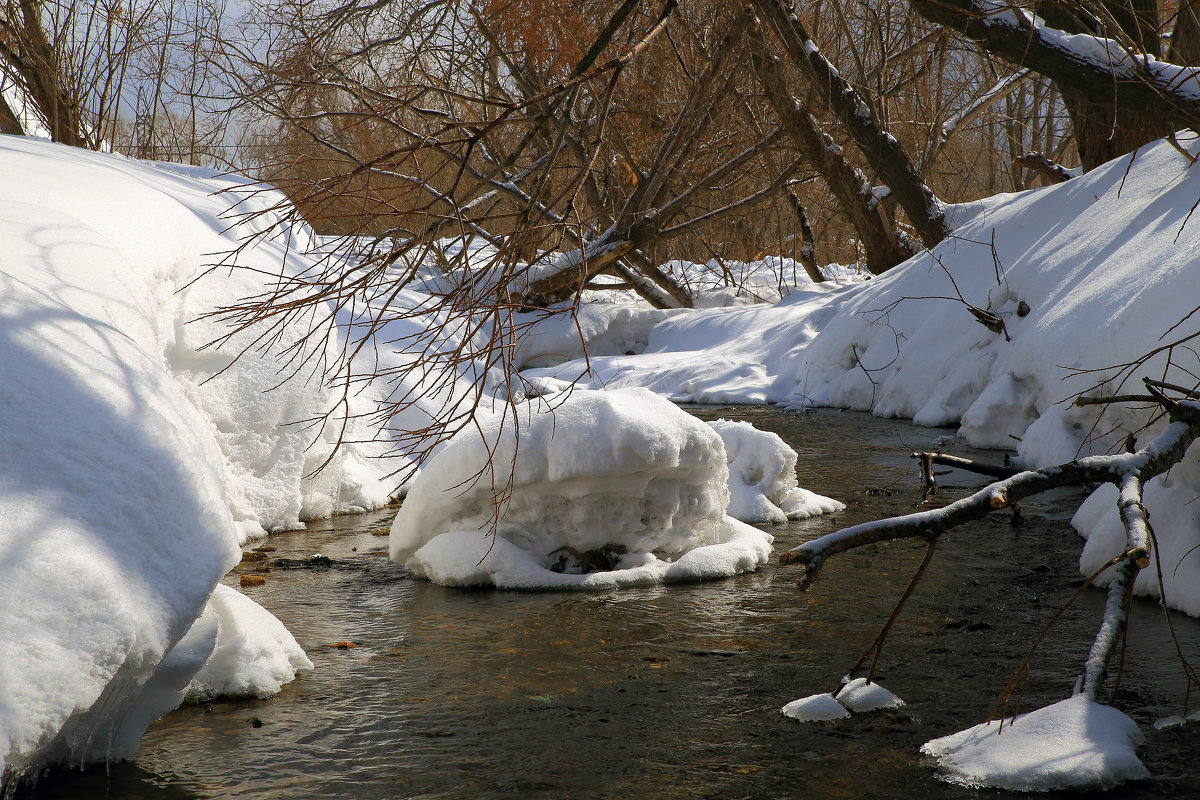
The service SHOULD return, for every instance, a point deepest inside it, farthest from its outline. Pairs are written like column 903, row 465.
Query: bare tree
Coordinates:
column 1117, row 102
column 129, row 75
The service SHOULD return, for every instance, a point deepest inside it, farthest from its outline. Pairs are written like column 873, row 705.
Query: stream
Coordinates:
column 668, row 692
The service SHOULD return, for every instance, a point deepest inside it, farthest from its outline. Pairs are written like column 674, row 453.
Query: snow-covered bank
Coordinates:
column 135, row 458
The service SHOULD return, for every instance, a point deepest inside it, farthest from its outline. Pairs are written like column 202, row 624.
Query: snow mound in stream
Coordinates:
column 1073, row 744
column 816, row 708
column 762, row 477
column 861, row 695
column 608, row 489
column 254, row 654
column 858, row 696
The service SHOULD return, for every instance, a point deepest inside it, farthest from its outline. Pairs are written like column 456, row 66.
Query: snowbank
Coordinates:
column 1073, row 744
column 165, row 224
column 608, row 488
column 116, row 526
column 595, row 329
column 762, row 477
column 135, row 458
column 254, row 654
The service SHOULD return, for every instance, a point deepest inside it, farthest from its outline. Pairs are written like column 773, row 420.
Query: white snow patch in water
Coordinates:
column 860, row 696
column 816, row 708
column 624, row 480
column 762, row 477
column 1072, row 744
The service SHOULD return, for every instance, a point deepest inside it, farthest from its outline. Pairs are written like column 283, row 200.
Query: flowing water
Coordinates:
column 669, row 692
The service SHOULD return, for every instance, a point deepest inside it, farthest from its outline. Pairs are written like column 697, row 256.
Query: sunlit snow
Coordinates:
column 608, row 489
column 1073, row 744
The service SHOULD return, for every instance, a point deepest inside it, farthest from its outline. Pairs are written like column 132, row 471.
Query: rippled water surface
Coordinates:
column 669, row 692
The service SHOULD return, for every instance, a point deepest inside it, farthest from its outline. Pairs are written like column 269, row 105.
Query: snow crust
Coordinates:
column 1073, row 744
column 622, row 475
column 762, row 477
column 254, row 653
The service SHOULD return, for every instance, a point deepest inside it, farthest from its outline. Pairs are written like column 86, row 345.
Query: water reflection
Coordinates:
column 664, row 692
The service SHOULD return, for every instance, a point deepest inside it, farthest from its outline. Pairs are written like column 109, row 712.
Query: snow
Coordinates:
column 860, row 696
column 762, row 477
column 857, row 696
column 1171, row 497
column 816, row 708
column 254, row 655
column 131, row 472
column 115, row 500
column 621, row 475
column 164, row 226
column 1073, row 744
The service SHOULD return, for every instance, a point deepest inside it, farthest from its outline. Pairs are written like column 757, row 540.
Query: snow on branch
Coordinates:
column 1100, row 67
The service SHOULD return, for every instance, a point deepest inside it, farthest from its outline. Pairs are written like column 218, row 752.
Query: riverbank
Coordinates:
column 664, row 692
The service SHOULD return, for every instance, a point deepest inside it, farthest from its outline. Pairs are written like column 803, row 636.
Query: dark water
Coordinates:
column 670, row 692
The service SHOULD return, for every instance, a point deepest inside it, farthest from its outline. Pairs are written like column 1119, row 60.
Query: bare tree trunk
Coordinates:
column 807, row 253
column 679, row 296
column 1104, row 129
column 23, row 43
column 1184, row 47
column 885, row 155
column 8, row 120
column 1043, row 166
column 883, row 247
